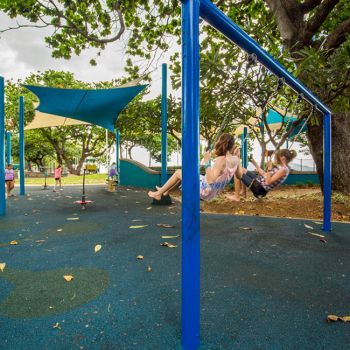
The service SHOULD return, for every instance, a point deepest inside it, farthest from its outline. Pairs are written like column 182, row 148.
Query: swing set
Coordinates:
column 192, row 11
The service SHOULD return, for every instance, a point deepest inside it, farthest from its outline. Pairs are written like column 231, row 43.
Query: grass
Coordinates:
column 68, row 180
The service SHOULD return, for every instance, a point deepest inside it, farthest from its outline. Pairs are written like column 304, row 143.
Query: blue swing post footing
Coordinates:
column 8, row 148
column 21, row 145
column 164, row 125
column 327, row 172
column 2, row 148
column 190, row 176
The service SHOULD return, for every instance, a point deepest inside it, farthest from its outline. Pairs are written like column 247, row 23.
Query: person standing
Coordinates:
column 58, row 175
column 9, row 180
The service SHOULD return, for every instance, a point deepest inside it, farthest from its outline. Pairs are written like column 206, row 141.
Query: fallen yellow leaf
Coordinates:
column 13, row 242
column 165, row 225
column 166, row 244
column 98, row 247
column 149, row 268
column 345, row 318
column 2, row 267
column 332, row 318
column 57, row 325
column 310, row 227
column 138, row 226
column 70, row 219
column 316, row 234
column 139, row 257
column 68, row 278
column 167, row 237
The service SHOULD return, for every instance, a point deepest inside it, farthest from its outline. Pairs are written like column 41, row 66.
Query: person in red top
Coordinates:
column 58, row 175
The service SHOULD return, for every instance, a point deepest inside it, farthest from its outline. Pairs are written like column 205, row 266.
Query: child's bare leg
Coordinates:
column 174, row 179
column 167, row 192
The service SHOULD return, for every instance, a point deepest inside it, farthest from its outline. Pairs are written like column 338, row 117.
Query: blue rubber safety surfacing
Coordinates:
column 269, row 287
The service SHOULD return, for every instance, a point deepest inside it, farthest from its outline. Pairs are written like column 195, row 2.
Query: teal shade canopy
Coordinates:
column 274, row 118
column 99, row 107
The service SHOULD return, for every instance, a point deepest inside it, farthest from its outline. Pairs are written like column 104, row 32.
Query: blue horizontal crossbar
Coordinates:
column 100, row 107
column 217, row 19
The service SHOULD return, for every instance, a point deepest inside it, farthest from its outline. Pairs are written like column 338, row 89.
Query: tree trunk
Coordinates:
column 340, row 150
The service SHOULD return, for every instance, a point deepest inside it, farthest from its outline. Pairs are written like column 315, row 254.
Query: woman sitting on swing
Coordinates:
column 216, row 177
column 265, row 181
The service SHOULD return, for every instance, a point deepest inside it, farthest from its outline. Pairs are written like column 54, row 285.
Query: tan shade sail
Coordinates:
column 45, row 120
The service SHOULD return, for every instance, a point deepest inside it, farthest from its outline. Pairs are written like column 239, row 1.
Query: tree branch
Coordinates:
column 320, row 16
column 309, row 5
column 338, row 36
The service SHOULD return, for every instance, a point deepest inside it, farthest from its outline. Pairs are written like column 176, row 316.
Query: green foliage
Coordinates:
column 140, row 125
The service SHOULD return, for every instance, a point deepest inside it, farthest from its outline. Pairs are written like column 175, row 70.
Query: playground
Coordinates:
column 258, row 287
column 242, row 243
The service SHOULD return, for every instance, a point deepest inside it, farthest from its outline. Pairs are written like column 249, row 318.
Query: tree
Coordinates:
column 297, row 29
column 38, row 150
column 140, row 125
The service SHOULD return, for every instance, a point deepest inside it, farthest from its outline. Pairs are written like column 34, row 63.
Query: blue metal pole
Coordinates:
column 8, row 147
column 2, row 148
column 117, row 140
column 245, row 147
column 190, row 176
column 327, row 172
column 164, row 176
column 216, row 18
column 21, row 145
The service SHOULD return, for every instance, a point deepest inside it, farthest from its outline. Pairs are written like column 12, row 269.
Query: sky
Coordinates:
column 23, row 51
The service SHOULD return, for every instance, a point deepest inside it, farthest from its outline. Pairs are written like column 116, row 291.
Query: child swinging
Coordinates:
column 263, row 182
column 216, row 177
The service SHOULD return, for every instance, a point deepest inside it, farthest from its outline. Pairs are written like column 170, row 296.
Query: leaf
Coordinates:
column 168, row 237
column 140, row 257
column 56, row 325
column 316, row 234
column 332, row 318
column 68, row 278
column 13, row 242
column 318, row 223
column 2, row 267
column 165, row 225
column 149, row 268
column 138, row 226
column 59, row 229
column 149, row 208
column 98, row 247
column 245, row 228
column 40, row 241
column 309, row 227
column 166, row 244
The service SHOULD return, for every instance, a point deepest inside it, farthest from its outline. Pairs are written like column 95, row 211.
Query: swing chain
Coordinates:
column 252, row 60
column 313, row 109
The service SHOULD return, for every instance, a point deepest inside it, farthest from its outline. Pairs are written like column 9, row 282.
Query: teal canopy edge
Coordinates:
column 274, row 117
column 100, row 107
